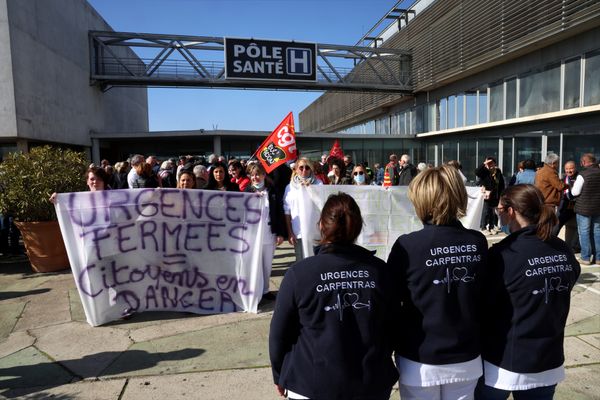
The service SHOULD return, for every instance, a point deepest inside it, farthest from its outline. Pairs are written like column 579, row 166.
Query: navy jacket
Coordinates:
column 438, row 274
column 276, row 216
column 526, row 299
column 332, row 326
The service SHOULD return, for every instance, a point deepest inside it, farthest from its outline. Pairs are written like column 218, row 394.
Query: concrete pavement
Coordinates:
column 47, row 350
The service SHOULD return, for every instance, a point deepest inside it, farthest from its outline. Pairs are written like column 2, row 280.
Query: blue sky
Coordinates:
column 320, row 21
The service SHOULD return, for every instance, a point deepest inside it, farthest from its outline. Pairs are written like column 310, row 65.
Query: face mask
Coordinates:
column 359, row 179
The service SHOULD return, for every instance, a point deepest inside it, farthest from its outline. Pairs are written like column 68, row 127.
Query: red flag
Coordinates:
column 336, row 151
column 280, row 145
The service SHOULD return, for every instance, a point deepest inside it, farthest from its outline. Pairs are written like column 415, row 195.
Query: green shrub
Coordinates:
column 28, row 179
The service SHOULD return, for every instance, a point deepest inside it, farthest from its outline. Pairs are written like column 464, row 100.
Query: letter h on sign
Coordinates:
column 299, row 61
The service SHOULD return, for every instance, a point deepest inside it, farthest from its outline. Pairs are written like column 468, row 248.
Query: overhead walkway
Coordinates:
column 152, row 60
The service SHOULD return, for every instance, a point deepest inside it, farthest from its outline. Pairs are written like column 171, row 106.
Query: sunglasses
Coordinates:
column 304, row 167
column 359, row 173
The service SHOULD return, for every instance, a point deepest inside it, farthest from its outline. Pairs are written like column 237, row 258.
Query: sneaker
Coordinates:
column 584, row 262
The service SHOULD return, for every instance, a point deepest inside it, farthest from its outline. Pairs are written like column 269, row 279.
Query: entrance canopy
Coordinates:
column 142, row 59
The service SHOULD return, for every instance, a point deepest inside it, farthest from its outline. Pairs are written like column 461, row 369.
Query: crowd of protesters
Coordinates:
column 462, row 321
column 574, row 198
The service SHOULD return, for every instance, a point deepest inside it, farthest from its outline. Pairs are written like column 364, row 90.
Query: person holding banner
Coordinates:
column 333, row 323
column 274, row 236
column 187, row 180
column 96, row 178
column 438, row 271
column 302, row 176
column 219, row 179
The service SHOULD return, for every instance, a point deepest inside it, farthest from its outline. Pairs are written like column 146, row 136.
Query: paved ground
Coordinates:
column 47, row 350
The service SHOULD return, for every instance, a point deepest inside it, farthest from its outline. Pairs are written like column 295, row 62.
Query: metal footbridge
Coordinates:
column 156, row 60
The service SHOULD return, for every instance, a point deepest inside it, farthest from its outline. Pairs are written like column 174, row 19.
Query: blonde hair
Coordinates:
column 304, row 161
column 439, row 195
column 255, row 168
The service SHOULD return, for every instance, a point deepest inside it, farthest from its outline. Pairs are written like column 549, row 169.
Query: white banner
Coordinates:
column 163, row 249
column 387, row 214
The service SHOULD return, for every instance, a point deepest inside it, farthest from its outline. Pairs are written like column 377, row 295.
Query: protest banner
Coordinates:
column 163, row 250
column 387, row 214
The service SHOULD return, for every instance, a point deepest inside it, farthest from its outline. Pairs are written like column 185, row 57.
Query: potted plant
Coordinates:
column 27, row 180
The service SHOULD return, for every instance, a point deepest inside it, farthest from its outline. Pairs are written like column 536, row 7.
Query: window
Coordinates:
column 575, row 144
column 511, row 98
column 539, row 92
column 382, row 126
column 402, row 123
column 592, row 83
column 467, row 151
column 451, row 112
column 471, row 105
column 443, row 111
column 507, row 158
column 430, row 117
column 497, row 102
column 460, row 100
column 487, row 148
column 449, row 151
column 572, row 83
column 528, row 148
column 483, row 106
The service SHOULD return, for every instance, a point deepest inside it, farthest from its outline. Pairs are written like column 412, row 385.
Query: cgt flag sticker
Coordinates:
column 280, row 145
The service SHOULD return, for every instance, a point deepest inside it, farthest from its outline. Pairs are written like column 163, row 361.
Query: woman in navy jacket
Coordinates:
column 439, row 274
column 527, row 298
column 330, row 332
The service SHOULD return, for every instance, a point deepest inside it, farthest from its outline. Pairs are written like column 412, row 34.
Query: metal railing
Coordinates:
column 120, row 59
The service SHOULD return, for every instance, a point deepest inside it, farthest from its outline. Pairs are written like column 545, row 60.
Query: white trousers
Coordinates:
column 267, row 262
column 450, row 391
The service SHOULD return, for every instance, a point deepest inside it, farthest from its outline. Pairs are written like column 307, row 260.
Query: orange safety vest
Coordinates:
column 387, row 179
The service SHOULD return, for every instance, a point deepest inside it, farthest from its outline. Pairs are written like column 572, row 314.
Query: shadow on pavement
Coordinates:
column 588, row 278
column 13, row 295
column 26, row 378
column 151, row 316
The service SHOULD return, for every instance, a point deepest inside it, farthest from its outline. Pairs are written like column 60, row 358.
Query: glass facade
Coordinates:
column 561, row 85
column 553, row 87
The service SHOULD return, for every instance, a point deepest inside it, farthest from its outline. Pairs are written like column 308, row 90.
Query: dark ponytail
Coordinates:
column 546, row 222
column 341, row 221
column 529, row 202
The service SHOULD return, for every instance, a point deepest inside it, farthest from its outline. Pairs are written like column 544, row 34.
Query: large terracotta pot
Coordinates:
column 44, row 245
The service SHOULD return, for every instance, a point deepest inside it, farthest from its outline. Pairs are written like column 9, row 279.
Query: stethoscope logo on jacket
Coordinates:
column 458, row 274
column 348, row 300
column 550, row 285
